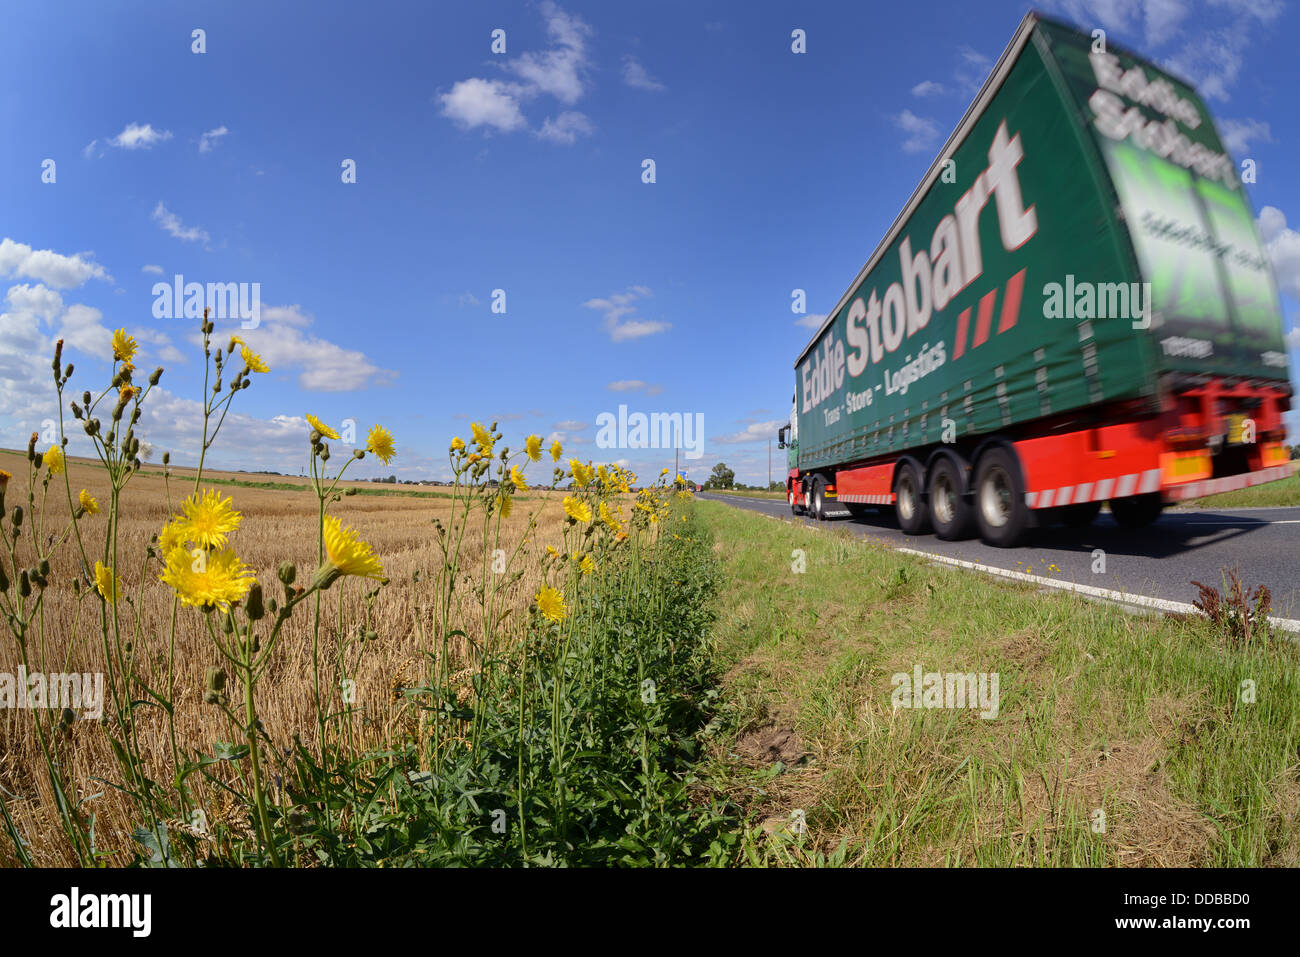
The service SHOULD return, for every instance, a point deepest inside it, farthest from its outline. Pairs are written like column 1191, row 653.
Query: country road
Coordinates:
column 1159, row 562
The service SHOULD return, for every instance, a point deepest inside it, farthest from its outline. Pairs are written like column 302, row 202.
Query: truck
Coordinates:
column 1073, row 308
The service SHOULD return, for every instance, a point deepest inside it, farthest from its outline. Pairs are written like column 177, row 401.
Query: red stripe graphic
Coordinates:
column 985, row 318
column 1011, row 304
column 959, row 347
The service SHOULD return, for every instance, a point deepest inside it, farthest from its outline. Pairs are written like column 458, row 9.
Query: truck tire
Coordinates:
column 1081, row 515
column 1000, row 508
column 950, row 511
column 796, row 500
column 818, row 508
column 910, row 506
column 1137, row 511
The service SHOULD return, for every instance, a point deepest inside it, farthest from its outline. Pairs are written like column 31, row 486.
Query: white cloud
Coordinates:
column 635, row 74
column 322, row 366
column 565, row 128
column 137, row 137
column 170, row 222
column 18, row 260
column 558, row 72
column 477, row 102
column 1239, row 134
column 754, row 432
column 210, row 138
column 810, row 321
column 619, row 305
column 927, row 88
column 626, row 385
column 570, row 425
column 151, row 268
column 972, row 70
column 922, row 133
column 88, row 150
column 467, row 299
column 1283, row 245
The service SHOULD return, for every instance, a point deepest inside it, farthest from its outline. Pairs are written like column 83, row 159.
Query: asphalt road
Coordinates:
column 1159, row 562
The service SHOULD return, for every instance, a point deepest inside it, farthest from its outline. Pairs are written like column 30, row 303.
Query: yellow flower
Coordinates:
column 4, row 480
column 517, row 478
column 581, row 473
column 127, row 393
column 533, row 446
column 252, row 360
column 577, row 509
column 209, row 519
column 379, row 443
column 54, row 460
column 608, row 518
column 457, row 444
column 349, row 554
column 106, row 583
column 550, row 603
column 663, row 473
column 322, row 428
column 88, row 503
column 172, row 534
column 552, row 551
column 482, row 437
column 588, row 565
column 202, row 578
column 507, row 505
column 556, row 451
column 124, row 346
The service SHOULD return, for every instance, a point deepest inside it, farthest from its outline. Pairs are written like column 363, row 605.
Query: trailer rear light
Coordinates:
column 1273, row 453
column 1176, row 467
column 1106, row 454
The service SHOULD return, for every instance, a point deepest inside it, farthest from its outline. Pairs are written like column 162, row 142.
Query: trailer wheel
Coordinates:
column 1000, row 507
column 910, row 507
column 950, row 511
column 796, row 500
column 818, row 508
column 1137, row 511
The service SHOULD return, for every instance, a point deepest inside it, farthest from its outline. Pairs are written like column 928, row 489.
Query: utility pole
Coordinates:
column 769, row 462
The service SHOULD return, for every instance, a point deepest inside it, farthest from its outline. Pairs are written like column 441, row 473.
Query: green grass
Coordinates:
column 749, row 493
column 1271, row 495
column 1100, row 709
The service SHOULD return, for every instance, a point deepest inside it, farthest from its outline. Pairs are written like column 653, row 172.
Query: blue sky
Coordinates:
column 521, row 172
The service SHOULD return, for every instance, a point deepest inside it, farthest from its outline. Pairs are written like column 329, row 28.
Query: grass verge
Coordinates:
column 1280, row 494
column 1119, row 740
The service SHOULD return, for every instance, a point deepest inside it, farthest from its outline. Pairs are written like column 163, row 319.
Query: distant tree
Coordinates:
column 722, row 477
column 1295, row 451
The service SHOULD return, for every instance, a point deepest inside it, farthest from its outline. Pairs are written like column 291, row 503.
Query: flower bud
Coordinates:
column 67, row 371
column 287, row 572
column 253, row 603
column 167, row 457
column 17, row 516
column 157, row 374
column 214, row 678
column 4, row 579
column 24, row 586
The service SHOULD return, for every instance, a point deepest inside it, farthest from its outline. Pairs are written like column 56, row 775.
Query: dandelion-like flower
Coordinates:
column 251, row 359
column 517, row 478
column 577, row 509
column 4, row 480
column 201, row 578
column 533, row 446
column 106, row 583
column 550, row 602
column 379, row 443
column 588, row 564
column 349, row 554
column 483, row 438
column 611, row 522
column 581, row 473
column 124, row 346
column 322, row 428
column 88, row 503
column 208, row 520
column 457, row 444
column 556, row 450
column 507, row 505
column 54, row 460
column 173, row 533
